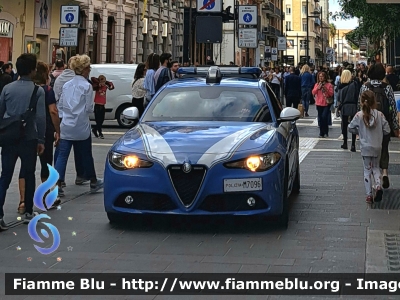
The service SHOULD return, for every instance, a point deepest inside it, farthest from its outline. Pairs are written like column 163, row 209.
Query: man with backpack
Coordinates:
column 60, row 67
column 386, row 103
column 23, row 124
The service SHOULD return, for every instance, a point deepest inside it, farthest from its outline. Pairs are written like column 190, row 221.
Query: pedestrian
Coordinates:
column 59, row 69
column 152, row 65
column 392, row 78
column 76, row 104
column 347, row 105
column 307, row 84
column 371, row 125
column 386, row 103
column 174, row 69
column 323, row 92
column 15, row 99
column 163, row 74
column 5, row 77
column 336, row 92
column 100, row 86
column 292, row 89
column 138, row 90
column 276, row 83
column 61, row 80
column 52, row 133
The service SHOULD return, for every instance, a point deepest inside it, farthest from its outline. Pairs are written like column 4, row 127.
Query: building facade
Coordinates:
column 343, row 50
column 114, row 31
column 300, row 19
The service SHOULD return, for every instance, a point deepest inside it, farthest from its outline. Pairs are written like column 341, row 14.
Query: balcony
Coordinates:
column 278, row 12
column 269, row 30
column 268, row 8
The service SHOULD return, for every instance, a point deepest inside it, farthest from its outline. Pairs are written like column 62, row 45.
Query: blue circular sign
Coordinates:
column 69, row 17
column 247, row 18
column 210, row 5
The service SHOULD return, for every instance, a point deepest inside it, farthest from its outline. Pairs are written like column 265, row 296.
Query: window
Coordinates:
column 305, row 26
column 288, row 10
column 304, row 9
column 206, row 104
column 290, row 44
column 288, row 26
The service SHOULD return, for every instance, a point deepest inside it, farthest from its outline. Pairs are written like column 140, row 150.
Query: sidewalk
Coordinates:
column 352, row 236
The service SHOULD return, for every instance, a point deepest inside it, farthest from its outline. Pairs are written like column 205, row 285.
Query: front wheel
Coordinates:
column 283, row 219
column 122, row 122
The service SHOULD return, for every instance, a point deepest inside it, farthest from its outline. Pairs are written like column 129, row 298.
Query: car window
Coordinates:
column 276, row 104
column 206, row 103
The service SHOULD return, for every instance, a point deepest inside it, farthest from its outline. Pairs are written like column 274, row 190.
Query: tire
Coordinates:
column 114, row 218
column 283, row 219
column 296, row 182
column 121, row 121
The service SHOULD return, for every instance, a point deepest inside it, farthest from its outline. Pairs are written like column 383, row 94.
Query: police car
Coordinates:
column 214, row 142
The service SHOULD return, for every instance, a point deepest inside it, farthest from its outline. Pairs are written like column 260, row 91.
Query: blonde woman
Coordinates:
column 76, row 103
column 347, row 99
column 307, row 84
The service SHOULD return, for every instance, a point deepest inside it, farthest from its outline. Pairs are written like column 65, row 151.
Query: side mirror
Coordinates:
column 289, row 114
column 131, row 113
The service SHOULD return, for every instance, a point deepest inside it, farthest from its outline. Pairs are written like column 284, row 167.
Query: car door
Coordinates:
column 289, row 132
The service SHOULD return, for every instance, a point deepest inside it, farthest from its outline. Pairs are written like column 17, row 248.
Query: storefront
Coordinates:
column 6, row 40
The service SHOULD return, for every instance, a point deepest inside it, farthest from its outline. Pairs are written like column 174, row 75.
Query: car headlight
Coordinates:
column 256, row 163
column 127, row 162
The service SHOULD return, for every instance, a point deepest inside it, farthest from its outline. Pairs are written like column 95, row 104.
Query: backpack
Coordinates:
column 382, row 102
column 52, row 80
column 12, row 129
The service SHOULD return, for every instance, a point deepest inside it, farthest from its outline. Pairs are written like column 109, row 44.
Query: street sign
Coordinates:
column 248, row 38
column 68, row 37
column 282, row 43
column 268, row 49
column 274, row 57
column 274, row 51
column 209, row 6
column 69, row 15
column 247, row 15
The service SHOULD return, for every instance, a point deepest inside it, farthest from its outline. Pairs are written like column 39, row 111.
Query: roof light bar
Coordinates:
column 211, row 71
column 214, row 75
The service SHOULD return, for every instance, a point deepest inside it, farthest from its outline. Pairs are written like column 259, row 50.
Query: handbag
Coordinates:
column 12, row 129
column 329, row 100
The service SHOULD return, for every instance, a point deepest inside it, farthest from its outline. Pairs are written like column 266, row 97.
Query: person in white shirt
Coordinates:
column 276, row 83
column 75, row 105
column 61, row 80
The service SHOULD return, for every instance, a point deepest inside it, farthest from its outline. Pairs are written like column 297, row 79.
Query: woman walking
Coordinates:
column 152, row 65
column 347, row 105
column 337, row 83
column 138, row 90
column 307, row 83
column 76, row 103
column 323, row 92
column 371, row 126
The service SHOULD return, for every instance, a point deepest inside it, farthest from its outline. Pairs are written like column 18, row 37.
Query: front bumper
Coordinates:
column 153, row 192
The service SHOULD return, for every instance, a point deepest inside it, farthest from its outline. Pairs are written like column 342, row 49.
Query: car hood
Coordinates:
column 194, row 142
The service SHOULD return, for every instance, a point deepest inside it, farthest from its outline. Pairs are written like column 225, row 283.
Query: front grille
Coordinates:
column 231, row 202
column 187, row 185
column 146, row 201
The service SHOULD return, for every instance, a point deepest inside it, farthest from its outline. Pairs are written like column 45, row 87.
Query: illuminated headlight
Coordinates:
column 256, row 163
column 126, row 162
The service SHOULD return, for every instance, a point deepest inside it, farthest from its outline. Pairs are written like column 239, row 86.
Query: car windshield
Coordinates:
column 217, row 103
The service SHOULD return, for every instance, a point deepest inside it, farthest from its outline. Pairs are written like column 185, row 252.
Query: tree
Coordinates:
column 377, row 20
column 332, row 33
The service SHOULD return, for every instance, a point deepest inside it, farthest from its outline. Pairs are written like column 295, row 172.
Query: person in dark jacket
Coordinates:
column 392, row 78
column 292, row 89
column 348, row 101
column 307, row 84
column 5, row 77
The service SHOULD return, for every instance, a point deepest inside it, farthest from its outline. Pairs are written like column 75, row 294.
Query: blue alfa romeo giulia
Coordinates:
column 214, row 142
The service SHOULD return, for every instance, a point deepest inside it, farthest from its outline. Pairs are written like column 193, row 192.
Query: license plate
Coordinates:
column 242, row 185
